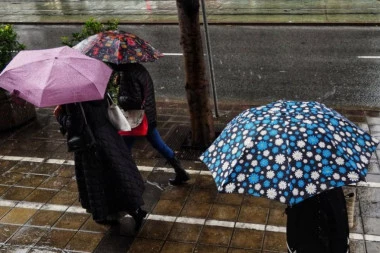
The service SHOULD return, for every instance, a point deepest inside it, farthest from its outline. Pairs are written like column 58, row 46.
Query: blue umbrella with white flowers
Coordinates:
column 289, row 151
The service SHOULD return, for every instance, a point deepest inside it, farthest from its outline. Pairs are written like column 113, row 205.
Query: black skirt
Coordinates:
column 319, row 224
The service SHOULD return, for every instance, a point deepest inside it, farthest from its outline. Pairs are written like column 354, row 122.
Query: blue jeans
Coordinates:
column 155, row 140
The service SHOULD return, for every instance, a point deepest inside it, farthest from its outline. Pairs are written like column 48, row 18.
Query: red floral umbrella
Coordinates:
column 118, row 47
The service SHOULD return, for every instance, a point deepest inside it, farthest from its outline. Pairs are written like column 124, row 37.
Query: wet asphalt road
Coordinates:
column 336, row 65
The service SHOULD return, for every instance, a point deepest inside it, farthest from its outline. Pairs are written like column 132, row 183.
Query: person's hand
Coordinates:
column 57, row 110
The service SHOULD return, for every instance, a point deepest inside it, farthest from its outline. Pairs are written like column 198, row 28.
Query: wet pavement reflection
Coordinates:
column 39, row 208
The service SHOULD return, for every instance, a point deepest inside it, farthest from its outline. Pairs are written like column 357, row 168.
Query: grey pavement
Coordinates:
column 39, row 210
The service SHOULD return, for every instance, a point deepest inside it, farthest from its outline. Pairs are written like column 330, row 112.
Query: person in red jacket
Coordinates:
column 136, row 91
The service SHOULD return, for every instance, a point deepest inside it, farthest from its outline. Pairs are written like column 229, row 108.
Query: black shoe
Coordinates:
column 180, row 178
column 139, row 216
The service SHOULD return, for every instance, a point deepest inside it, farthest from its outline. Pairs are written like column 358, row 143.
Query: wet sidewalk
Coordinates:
column 218, row 11
column 39, row 209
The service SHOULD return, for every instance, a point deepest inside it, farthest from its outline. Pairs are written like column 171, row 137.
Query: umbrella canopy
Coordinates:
column 118, row 47
column 55, row 76
column 289, row 151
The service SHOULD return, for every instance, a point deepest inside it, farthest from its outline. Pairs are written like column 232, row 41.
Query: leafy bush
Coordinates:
column 90, row 27
column 9, row 45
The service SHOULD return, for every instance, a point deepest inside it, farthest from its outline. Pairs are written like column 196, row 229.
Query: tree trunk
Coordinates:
column 197, row 86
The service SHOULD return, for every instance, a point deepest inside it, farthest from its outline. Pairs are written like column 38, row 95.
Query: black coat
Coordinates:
column 107, row 177
column 136, row 90
column 319, row 224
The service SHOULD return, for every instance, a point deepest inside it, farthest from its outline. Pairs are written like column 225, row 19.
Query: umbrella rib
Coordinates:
column 82, row 75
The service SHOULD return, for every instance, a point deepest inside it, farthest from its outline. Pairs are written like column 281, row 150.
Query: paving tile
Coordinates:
column 205, row 181
column 40, row 196
column 224, row 212
column 358, row 225
column 175, row 193
column 83, row 241
column 373, row 247
column 201, row 248
column 357, row 246
column 374, row 168
column 256, row 201
column 65, row 171
column 18, row 215
column 370, row 209
column 17, row 193
column 275, row 241
column 44, row 250
column 371, row 225
column 56, row 238
column 369, row 194
column 24, row 167
column 4, row 210
column 71, row 187
column 253, row 214
column 64, row 198
column 176, row 247
column 140, row 245
column 220, row 236
column 56, row 183
column 30, row 180
column 373, row 120
column 91, row 225
column 6, row 165
column 10, row 178
column 27, row 236
column 15, row 249
column 277, row 205
column 168, row 207
column 277, row 217
column 47, row 168
column 182, row 232
column 247, row 239
column 6, row 232
column 232, row 250
column 72, row 220
column 196, row 210
column 45, row 218
column 204, row 195
column 114, row 243
column 3, row 189
column 229, row 199
column 153, row 229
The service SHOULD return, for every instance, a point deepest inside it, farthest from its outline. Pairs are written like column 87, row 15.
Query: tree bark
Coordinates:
column 197, row 86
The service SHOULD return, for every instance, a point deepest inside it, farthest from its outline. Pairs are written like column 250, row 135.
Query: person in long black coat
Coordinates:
column 319, row 224
column 108, row 179
column 136, row 91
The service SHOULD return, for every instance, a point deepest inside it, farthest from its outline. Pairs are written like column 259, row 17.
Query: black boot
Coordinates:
column 181, row 176
column 138, row 216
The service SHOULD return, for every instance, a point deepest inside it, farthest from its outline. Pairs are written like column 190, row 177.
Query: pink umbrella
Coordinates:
column 55, row 76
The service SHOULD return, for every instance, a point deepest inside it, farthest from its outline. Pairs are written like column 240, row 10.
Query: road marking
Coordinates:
column 168, row 218
column 172, row 54
column 141, row 168
column 369, row 57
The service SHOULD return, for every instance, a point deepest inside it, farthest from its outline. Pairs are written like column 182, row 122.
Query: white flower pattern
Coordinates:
column 288, row 151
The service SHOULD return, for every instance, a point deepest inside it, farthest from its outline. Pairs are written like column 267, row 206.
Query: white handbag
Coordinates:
column 134, row 117
column 116, row 116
